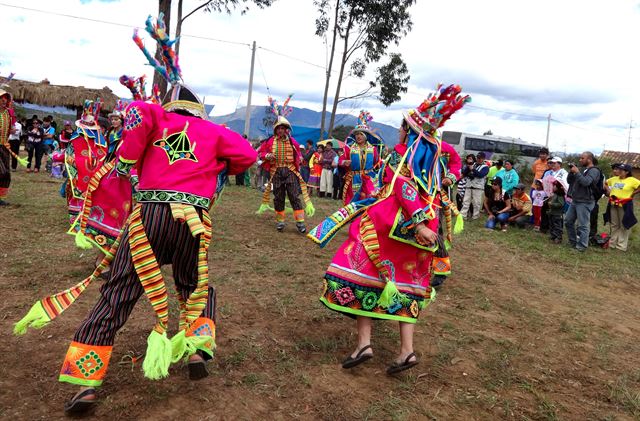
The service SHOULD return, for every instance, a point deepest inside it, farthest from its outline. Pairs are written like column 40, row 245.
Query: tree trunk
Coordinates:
column 164, row 6
column 178, row 27
column 343, row 64
column 327, row 80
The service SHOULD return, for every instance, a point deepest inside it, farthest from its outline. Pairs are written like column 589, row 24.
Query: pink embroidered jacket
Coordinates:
column 267, row 147
column 179, row 158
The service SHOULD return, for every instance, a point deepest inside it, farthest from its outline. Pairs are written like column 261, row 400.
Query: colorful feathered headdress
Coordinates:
column 180, row 96
column 281, row 112
column 119, row 109
column 90, row 113
column 436, row 109
column 363, row 126
column 138, row 88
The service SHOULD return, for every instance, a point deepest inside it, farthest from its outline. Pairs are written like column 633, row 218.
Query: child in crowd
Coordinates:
column 556, row 208
column 57, row 161
column 538, row 196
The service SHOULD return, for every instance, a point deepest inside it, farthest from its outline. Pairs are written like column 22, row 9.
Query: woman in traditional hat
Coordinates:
column 362, row 158
column 7, row 119
column 382, row 271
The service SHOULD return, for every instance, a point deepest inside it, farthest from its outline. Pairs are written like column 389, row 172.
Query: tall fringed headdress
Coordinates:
column 119, row 109
column 90, row 113
column 22, row 161
column 281, row 112
column 138, row 89
column 180, row 96
column 364, row 126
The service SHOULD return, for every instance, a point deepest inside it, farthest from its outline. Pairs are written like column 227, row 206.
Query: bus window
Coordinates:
column 452, row 138
column 478, row 144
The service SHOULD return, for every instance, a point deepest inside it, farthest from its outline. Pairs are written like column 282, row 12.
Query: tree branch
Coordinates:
column 195, row 10
column 358, row 95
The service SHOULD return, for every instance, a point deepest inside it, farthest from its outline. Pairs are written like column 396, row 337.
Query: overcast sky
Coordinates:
column 574, row 59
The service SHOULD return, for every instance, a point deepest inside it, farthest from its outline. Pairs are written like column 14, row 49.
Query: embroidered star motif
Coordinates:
column 177, row 146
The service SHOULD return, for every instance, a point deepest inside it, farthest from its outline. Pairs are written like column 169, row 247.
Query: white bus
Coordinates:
column 466, row 143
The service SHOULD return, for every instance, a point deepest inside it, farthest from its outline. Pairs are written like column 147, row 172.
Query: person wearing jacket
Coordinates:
column 577, row 219
column 474, row 191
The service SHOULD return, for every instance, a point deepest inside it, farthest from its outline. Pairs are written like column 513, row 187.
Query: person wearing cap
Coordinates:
column 539, row 166
column 497, row 166
column 553, row 174
column 7, row 120
column 282, row 156
column 621, row 189
column 498, row 206
column 383, row 269
column 521, row 206
column 182, row 161
column 474, row 191
column 34, row 146
column 509, row 176
column 362, row 161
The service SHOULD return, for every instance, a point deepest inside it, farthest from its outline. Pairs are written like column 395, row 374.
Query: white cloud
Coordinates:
column 515, row 55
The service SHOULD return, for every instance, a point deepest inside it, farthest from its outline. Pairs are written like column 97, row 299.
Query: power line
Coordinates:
column 292, row 58
column 263, row 74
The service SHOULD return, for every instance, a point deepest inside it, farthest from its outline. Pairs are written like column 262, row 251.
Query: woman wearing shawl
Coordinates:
column 383, row 269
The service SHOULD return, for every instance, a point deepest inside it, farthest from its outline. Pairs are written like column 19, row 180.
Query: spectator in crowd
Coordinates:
column 307, row 153
column 14, row 143
column 462, row 182
column 550, row 176
column 65, row 134
column 315, row 167
column 326, row 177
column 521, row 206
column 240, row 177
column 509, row 176
column 497, row 166
column 338, row 175
column 538, row 199
column 539, row 166
column 474, row 191
column 53, row 123
column 581, row 183
column 497, row 205
column 621, row 189
column 48, row 139
column 34, row 145
column 598, row 191
column 556, row 210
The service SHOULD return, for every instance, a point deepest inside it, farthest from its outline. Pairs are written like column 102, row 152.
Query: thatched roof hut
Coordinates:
column 44, row 93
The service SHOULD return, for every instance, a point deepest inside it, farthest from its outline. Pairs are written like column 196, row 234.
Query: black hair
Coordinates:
column 543, row 150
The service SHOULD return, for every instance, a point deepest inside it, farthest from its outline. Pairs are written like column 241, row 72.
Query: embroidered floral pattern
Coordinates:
column 409, row 192
column 419, row 216
column 177, row 146
column 415, row 311
column 167, row 196
column 133, row 118
column 369, row 301
column 345, row 295
column 123, row 167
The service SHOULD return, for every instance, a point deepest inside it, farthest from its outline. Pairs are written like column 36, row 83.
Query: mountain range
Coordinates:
column 299, row 117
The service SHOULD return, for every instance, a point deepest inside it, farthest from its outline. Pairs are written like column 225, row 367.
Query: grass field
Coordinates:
column 523, row 330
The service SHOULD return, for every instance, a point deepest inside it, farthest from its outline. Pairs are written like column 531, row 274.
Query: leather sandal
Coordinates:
column 396, row 367
column 351, row 362
column 78, row 405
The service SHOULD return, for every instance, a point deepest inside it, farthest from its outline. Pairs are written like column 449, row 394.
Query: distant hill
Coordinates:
column 299, row 117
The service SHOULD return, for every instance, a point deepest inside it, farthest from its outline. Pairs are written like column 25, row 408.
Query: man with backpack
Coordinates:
column 583, row 191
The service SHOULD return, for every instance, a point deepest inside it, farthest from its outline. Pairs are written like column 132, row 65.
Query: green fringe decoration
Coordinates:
column 264, row 208
column 447, row 245
column 459, row 226
column 183, row 347
column 82, row 242
column 36, row 318
column 429, row 300
column 390, row 295
column 158, row 358
column 309, row 210
column 23, row 161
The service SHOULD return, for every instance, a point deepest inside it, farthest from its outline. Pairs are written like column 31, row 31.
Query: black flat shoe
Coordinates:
column 398, row 367
column 197, row 370
column 78, row 405
column 350, row 362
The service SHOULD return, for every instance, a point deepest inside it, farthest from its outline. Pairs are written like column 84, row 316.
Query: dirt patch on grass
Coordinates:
column 500, row 342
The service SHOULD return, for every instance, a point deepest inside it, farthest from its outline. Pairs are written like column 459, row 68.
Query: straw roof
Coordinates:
column 44, row 93
column 631, row 158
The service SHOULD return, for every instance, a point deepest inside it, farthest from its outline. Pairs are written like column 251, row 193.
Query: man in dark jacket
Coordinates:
column 581, row 186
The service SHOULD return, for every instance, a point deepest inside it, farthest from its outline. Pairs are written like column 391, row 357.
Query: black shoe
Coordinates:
column 301, row 227
column 350, row 362
column 4, row 203
column 280, row 226
column 197, row 370
column 437, row 281
column 78, row 405
column 398, row 367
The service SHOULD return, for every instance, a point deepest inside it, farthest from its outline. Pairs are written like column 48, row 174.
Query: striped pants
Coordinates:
column 286, row 184
column 172, row 243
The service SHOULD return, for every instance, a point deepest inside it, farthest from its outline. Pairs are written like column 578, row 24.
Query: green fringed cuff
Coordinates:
column 419, row 216
column 123, row 168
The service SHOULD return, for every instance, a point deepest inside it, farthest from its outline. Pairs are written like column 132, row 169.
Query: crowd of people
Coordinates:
column 559, row 199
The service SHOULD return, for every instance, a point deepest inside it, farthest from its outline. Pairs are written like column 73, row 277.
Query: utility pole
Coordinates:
column 629, row 141
column 247, row 117
column 546, row 143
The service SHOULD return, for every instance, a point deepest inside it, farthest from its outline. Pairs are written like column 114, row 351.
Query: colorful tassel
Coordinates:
column 459, row 226
column 158, row 357
column 82, row 242
column 36, row 317
column 309, row 209
column 390, row 295
column 183, row 347
column 264, row 208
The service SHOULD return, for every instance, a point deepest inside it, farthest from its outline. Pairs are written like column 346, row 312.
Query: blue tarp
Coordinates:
column 301, row 134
